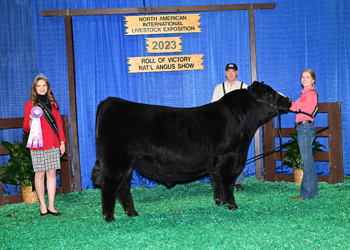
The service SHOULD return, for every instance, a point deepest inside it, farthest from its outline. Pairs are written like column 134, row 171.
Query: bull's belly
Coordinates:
column 169, row 172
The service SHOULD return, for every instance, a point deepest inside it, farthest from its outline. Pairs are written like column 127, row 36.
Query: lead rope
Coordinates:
column 279, row 132
column 280, row 147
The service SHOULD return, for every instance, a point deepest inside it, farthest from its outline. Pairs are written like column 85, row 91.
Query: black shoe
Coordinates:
column 42, row 214
column 239, row 187
column 54, row 214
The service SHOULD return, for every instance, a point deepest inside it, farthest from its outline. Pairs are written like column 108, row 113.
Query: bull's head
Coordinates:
column 265, row 94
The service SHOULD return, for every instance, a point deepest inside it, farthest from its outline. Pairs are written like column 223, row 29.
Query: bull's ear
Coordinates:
column 254, row 89
column 252, row 85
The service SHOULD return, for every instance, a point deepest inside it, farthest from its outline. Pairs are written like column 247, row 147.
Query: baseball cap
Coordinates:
column 231, row 66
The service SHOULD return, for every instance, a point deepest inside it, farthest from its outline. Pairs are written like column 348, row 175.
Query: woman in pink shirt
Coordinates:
column 306, row 133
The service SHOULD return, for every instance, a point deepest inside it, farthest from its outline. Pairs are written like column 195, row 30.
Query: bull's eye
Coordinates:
column 268, row 95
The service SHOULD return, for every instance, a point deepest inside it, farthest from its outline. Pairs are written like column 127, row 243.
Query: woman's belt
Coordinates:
column 303, row 122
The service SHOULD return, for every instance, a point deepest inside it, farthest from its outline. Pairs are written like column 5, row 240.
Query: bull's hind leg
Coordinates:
column 125, row 197
column 109, row 196
column 228, row 175
column 115, row 172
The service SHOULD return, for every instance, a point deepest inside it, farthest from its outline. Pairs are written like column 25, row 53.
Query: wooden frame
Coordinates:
column 66, row 174
column 68, row 13
column 334, row 155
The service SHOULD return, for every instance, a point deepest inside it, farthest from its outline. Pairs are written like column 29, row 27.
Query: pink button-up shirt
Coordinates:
column 306, row 103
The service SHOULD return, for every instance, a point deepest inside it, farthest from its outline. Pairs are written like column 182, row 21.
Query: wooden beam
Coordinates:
column 73, row 101
column 149, row 10
column 252, row 39
column 11, row 123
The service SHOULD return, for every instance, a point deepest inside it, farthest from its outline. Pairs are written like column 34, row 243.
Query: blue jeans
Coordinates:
column 240, row 177
column 309, row 184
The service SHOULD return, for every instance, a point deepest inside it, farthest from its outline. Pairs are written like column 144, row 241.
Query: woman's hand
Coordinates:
column 30, row 121
column 62, row 148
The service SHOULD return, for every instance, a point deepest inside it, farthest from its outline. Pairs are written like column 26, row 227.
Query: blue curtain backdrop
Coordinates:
column 290, row 38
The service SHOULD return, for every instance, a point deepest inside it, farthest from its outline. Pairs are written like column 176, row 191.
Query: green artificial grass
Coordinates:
column 186, row 217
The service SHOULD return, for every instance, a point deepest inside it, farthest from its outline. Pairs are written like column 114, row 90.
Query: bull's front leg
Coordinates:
column 228, row 176
column 229, row 197
column 215, row 181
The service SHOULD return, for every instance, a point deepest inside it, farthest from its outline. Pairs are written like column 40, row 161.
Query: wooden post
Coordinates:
column 336, row 172
column 254, row 75
column 73, row 101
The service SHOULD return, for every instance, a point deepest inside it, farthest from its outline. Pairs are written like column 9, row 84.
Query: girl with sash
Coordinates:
column 46, row 140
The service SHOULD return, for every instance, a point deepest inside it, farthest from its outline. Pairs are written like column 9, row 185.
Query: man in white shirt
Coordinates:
column 231, row 84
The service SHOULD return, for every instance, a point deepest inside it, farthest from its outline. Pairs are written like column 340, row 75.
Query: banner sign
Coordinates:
column 164, row 44
column 165, row 63
column 162, row 24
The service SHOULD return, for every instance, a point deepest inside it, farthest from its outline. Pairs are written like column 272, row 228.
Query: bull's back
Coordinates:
column 161, row 141
column 137, row 122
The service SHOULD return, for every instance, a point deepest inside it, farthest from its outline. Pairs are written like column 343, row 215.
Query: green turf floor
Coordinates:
column 186, row 217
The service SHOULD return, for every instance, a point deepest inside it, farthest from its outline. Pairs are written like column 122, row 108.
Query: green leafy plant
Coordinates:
column 292, row 157
column 19, row 169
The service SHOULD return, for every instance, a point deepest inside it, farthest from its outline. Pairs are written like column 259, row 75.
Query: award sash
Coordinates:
column 49, row 118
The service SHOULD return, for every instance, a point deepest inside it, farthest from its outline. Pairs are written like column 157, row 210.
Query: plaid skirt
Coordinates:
column 44, row 160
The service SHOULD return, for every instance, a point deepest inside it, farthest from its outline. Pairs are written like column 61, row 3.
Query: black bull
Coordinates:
column 178, row 144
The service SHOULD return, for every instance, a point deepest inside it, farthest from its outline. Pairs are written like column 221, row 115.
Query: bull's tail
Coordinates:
column 97, row 171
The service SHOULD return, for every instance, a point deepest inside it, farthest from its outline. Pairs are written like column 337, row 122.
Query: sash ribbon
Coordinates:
column 35, row 135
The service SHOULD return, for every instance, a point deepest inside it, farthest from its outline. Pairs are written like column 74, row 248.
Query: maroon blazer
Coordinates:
column 49, row 137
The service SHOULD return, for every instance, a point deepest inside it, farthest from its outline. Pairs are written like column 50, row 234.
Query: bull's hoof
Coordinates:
column 170, row 184
column 218, row 201
column 109, row 219
column 232, row 207
column 132, row 213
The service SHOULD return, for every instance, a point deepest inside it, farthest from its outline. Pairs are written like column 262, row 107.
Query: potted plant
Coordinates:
column 19, row 169
column 293, row 158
